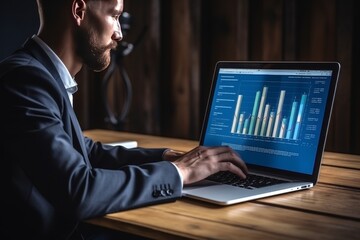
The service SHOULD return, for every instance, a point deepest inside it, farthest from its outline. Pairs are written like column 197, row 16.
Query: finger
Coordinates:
column 237, row 160
column 228, row 166
column 226, row 154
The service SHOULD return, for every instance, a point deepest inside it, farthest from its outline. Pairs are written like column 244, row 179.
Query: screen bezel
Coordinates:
column 333, row 66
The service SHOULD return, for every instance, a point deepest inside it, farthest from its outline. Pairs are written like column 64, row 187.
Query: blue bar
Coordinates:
column 246, row 125
column 300, row 115
column 291, row 120
column 254, row 112
column 261, row 111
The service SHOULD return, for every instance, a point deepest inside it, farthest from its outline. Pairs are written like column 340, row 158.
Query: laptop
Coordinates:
column 275, row 115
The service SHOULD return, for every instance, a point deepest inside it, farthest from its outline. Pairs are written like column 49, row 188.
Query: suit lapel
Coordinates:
column 36, row 51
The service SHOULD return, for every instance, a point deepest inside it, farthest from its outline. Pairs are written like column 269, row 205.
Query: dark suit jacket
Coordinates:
column 59, row 177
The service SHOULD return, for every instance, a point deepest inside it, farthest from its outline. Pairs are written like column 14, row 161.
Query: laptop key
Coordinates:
column 251, row 182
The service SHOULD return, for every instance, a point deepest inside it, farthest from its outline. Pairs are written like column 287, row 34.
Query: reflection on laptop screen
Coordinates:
column 272, row 117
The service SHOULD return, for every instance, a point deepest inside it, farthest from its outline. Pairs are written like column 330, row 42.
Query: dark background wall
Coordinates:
column 171, row 66
column 18, row 21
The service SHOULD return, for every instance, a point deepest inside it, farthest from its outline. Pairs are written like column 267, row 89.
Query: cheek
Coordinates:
column 103, row 28
column 108, row 24
column 106, row 31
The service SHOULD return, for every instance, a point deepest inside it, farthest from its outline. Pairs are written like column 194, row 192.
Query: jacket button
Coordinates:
column 169, row 192
column 163, row 193
column 156, row 193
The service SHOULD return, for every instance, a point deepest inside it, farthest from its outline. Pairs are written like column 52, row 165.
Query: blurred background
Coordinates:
column 160, row 78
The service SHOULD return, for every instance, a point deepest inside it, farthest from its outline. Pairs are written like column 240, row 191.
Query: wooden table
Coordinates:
column 330, row 210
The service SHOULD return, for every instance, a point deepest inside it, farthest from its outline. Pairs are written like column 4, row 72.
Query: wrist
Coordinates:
column 180, row 174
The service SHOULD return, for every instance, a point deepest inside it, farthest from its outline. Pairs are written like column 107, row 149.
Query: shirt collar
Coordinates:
column 68, row 81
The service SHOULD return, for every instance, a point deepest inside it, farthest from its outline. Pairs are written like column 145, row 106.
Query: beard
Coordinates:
column 94, row 55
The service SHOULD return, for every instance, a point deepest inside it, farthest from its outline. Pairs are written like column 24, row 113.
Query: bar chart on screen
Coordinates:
column 275, row 112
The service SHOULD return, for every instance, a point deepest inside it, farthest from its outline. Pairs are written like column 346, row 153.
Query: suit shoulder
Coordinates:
column 21, row 63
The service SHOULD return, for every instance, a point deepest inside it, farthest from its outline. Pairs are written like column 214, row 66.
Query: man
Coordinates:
column 59, row 177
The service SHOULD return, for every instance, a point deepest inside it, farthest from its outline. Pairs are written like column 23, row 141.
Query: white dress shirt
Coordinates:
column 68, row 81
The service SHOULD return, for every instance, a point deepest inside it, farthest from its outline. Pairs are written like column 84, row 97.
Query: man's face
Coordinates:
column 100, row 33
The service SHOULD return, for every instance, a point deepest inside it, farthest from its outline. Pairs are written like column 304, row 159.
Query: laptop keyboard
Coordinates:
column 251, row 182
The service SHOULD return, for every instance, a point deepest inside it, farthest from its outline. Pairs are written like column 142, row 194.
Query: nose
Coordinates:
column 117, row 36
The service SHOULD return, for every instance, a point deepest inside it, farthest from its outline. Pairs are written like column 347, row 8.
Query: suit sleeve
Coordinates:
column 111, row 157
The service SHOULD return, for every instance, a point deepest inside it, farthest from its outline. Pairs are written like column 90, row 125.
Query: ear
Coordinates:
column 78, row 10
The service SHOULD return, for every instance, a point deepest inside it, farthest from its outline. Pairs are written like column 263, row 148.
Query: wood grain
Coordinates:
column 190, row 219
column 329, row 210
column 321, row 199
column 340, row 176
column 342, row 160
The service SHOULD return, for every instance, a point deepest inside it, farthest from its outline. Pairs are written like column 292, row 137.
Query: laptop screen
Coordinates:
column 275, row 115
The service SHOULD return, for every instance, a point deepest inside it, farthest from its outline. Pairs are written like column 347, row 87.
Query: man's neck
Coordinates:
column 63, row 46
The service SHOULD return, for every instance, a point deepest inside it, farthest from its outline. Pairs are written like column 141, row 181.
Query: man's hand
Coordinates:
column 202, row 162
